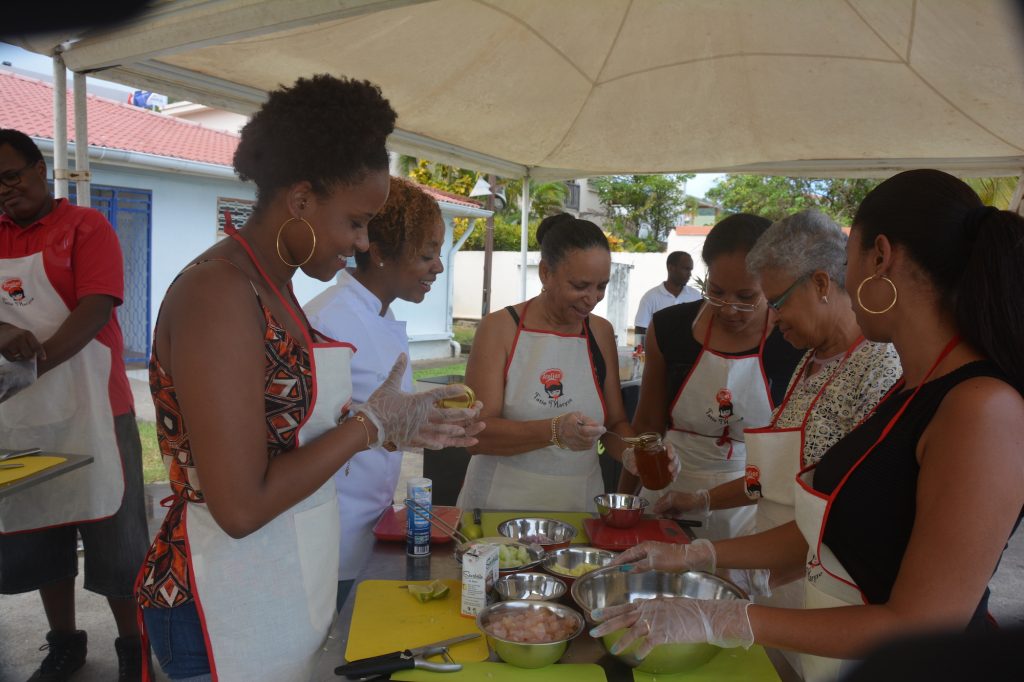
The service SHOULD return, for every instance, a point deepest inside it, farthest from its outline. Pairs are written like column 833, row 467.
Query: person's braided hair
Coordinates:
column 326, row 130
column 403, row 226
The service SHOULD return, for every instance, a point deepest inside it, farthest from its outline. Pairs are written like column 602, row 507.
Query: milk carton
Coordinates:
column 479, row 573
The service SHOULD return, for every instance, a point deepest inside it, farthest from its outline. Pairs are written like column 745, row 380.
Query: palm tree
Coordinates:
column 994, row 191
column 546, row 198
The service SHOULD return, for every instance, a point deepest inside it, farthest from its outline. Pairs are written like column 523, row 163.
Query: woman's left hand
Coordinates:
column 629, row 460
column 668, row 620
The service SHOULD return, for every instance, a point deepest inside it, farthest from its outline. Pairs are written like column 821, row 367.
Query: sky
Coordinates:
column 29, row 61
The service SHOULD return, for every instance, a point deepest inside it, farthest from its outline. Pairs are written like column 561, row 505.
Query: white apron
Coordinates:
column 828, row 584
column 548, row 374
column 722, row 395
column 266, row 601
column 67, row 410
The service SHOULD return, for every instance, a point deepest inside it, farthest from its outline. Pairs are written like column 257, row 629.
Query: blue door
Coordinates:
column 130, row 212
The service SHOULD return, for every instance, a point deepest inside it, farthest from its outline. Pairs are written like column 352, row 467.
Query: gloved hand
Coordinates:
column 699, row 555
column 629, row 460
column 678, row 503
column 668, row 620
column 412, row 419
column 576, row 431
column 756, row 582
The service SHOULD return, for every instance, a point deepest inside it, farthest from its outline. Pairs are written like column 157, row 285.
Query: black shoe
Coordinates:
column 66, row 655
column 129, row 659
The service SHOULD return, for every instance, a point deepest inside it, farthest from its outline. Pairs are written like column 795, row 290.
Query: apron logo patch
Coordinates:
column 752, row 481
column 15, row 291
column 554, row 389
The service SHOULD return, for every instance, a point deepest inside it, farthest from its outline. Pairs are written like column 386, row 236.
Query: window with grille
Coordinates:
column 240, row 210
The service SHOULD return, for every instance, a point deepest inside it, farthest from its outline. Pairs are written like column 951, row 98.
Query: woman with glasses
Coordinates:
column 714, row 368
column 903, row 521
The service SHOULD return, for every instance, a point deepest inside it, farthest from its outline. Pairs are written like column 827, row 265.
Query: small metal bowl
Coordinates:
column 550, row 534
column 537, row 554
column 566, row 563
column 521, row 654
column 619, row 510
column 530, row 586
column 611, row 587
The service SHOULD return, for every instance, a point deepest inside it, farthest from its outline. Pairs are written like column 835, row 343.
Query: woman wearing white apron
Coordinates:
column 251, row 405
column 403, row 260
column 547, row 373
column 710, row 373
column 907, row 516
column 801, row 263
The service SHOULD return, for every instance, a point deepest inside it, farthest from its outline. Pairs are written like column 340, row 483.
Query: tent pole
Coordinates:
column 83, row 183
column 524, row 236
column 60, row 128
column 1017, row 202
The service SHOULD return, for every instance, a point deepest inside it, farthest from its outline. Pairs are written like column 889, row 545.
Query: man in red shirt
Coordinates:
column 61, row 276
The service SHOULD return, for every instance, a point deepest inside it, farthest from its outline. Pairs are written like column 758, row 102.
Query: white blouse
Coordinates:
column 861, row 383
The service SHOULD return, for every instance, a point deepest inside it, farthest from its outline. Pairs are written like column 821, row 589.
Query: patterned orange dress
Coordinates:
column 166, row 579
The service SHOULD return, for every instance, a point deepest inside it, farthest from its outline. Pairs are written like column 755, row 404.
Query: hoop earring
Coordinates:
column 895, row 295
column 277, row 243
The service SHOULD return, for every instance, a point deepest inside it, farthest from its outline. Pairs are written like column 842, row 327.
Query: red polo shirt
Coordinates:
column 81, row 256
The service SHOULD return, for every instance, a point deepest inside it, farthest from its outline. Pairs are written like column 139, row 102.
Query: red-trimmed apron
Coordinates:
column 266, row 601
column 720, row 396
column 828, row 584
column 547, row 374
column 67, row 410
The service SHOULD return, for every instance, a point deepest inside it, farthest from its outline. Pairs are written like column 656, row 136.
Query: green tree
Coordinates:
column 506, row 233
column 444, row 177
column 546, row 198
column 994, row 191
column 776, row 196
column 641, row 202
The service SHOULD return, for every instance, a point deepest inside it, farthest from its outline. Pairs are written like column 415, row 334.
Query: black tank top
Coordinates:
column 673, row 327
column 869, row 524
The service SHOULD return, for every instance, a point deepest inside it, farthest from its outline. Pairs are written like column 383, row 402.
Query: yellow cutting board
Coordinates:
column 33, row 464
column 730, row 665
column 489, row 521
column 503, row 672
column 387, row 618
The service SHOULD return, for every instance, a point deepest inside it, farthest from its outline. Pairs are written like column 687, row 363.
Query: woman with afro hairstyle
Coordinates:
column 402, row 262
column 254, row 406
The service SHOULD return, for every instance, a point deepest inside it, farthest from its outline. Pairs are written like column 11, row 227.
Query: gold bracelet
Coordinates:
column 362, row 420
column 554, row 432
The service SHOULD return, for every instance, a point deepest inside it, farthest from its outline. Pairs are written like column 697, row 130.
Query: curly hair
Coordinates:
column 403, row 226
column 326, row 130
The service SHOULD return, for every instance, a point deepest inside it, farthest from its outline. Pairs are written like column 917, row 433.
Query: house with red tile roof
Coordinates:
column 165, row 184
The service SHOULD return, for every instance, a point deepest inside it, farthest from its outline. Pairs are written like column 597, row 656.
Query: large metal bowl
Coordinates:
column 530, row 586
column 619, row 510
column 537, row 554
column 566, row 563
column 535, row 530
column 611, row 587
column 521, row 654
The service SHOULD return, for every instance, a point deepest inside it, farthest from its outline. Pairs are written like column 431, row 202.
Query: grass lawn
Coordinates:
column 464, row 333
column 457, row 368
column 152, row 464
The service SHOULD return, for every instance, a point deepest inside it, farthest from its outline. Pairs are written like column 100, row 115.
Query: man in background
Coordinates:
column 670, row 292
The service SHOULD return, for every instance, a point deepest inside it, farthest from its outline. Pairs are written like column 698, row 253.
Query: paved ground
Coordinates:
column 23, row 625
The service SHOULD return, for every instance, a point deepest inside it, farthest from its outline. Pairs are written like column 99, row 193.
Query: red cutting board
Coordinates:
column 618, row 539
column 391, row 524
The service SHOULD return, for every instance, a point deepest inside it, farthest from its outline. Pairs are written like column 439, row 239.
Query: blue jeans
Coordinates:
column 176, row 637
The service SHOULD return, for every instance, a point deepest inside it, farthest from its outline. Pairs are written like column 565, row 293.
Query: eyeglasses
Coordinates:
column 777, row 303
column 12, row 178
column 738, row 307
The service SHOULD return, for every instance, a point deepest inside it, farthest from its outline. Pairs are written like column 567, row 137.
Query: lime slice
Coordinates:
column 438, row 589
column 473, row 531
column 423, row 593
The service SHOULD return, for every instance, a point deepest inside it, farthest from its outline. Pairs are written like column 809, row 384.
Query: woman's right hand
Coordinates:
column 414, row 420
column 577, row 431
column 678, row 503
column 699, row 555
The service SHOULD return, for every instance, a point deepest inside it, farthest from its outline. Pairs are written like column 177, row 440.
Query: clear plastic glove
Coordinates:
column 699, row 555
column 667, row 620
column 577, row 431
column 756, row 582
column 678, row 503
column 413, row 419
column 629, row 460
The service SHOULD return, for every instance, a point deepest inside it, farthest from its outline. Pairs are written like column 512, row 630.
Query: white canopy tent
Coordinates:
column 555, row 89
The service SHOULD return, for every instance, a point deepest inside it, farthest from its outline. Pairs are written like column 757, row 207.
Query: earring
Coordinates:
column 824, row 299
column 380, row 264
column 277, row 243
column 895, row 295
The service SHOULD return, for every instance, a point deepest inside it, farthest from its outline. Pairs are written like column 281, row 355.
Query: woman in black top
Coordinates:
column 914, row 507
column 713, row 370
